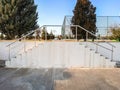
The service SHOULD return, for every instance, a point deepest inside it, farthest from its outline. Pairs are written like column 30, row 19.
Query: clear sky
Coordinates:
column 53, row 11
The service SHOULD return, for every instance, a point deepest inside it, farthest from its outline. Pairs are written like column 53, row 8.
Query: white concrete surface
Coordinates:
column 60, row 54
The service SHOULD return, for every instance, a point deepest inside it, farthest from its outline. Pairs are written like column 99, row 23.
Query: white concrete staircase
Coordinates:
column 60, row 54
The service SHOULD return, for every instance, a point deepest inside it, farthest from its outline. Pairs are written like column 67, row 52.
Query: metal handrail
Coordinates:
column 21, row 37
column 60, row 26
column 87, row 31
column 51, row 26
column 102, row 46
column 98, row 44
column 33, row 32
column 111, row 44
column 95, row 35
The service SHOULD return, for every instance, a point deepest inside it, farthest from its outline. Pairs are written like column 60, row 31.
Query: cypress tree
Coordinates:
column 84, row 15
column 17, row 17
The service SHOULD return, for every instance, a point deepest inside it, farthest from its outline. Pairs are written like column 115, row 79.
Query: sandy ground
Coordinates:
column 59, row 79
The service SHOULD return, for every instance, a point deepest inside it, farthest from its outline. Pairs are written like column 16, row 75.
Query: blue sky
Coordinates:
column 53, row 11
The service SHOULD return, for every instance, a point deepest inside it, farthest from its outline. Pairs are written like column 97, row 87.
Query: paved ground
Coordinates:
column 59, row 79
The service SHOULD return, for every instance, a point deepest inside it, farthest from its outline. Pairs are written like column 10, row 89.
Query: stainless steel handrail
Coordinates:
column 96, row 49
column 102, row 46
column 95, row 35
column 98, row 44
column 111, row 44
column 9, row 45
column 23, row 37
column 87, row 31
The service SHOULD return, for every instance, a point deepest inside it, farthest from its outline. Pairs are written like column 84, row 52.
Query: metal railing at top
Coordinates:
column 35, row 44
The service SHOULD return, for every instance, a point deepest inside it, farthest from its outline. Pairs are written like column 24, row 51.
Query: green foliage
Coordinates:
column 84, row 15
column 115, row 34
column 17, row 17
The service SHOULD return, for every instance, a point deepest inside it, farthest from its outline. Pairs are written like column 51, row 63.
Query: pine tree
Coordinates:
column 84, row 15
column 17, row 17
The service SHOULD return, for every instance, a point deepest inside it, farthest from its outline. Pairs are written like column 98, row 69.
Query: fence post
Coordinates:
column 107, row 27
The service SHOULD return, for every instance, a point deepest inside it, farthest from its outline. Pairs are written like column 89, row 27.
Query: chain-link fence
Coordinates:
column 103, row 24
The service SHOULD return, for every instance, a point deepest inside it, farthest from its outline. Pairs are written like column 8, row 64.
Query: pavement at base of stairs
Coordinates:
column 59, row 79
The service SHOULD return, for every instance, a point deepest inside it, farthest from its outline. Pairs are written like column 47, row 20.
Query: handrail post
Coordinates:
column 9, row 53
column 35, row 37
column 86, row 36
column 112, row 54
column 24, row 44
column 112, row 51
column 45, row 34
column 96, row 48
column 76, row 33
